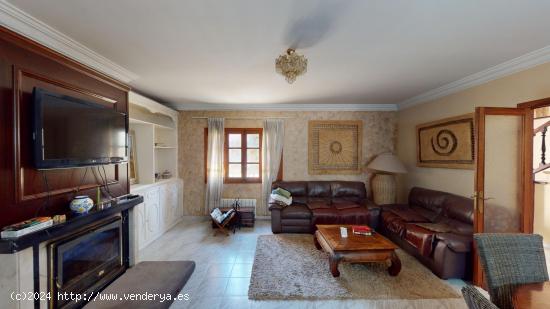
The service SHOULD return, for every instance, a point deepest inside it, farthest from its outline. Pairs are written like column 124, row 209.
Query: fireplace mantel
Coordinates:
column 24, row 260
column 8, row 246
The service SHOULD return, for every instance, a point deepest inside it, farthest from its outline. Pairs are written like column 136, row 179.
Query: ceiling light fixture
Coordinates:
column 291, row 65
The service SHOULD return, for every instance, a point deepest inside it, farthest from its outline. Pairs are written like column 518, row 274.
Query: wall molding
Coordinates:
column 515, row 65
column 152, row 105
column 285, row 107
column 22, row 23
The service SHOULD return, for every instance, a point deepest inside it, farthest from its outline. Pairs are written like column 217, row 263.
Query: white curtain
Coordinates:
column 214, row 160
column 272, row 151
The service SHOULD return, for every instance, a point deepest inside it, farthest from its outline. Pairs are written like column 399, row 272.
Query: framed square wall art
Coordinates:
column 446, row 143
column 334, row 147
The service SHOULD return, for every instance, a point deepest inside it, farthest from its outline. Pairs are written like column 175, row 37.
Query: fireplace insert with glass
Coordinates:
column 85, row 262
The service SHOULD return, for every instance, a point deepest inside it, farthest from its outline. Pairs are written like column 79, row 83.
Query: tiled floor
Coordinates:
column 224, row 265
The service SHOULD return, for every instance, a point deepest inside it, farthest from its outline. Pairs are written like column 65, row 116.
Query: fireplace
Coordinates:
column 85, row 262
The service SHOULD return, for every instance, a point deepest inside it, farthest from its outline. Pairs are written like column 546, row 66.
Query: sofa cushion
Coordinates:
column 345, row 204
column 296, row 211
column 318, row 189
column 420, row 238
column 295, row 222
column 428, row 199
column 324, row 216
column 457, row 243
column 314, row 203
column 432, row 216
column 408, row 215
column 458, row 227
column 390, row 206
column 459, row 208
column 350, row 190
column 393, row 223
column 356, row 215
column 436, row 227
column 296, row 188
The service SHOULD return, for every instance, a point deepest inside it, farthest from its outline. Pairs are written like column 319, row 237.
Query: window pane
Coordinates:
column 234, row 140
column 235, row 171
column 234, row 155
column 253, row 170
column 253, row 140
column 253, row 155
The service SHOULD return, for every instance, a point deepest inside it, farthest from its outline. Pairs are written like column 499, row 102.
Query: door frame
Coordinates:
column 529, row 216
column 526, row 174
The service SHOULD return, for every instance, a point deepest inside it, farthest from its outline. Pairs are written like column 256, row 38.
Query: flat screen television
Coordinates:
column 70, row 132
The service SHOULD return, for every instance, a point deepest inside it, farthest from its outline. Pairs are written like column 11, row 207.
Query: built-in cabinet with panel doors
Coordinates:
column 154, row 128
column 160, row 211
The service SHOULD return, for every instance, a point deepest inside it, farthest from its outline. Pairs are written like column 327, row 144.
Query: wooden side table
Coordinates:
column 246, row 215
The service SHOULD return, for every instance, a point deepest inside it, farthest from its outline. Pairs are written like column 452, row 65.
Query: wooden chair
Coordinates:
column 222, row 226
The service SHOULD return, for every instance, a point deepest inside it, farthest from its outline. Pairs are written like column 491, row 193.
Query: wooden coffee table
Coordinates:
column 355, row 248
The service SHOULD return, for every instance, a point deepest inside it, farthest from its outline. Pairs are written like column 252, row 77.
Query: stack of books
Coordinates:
column 26, row 227
column 362, row 230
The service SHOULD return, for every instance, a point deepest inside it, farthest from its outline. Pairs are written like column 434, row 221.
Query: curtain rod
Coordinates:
column 245, row 118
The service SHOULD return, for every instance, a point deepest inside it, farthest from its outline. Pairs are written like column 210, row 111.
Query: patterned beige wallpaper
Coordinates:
column 379, row 134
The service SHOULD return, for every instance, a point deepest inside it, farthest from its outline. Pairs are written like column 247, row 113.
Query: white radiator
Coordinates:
column 243, row 202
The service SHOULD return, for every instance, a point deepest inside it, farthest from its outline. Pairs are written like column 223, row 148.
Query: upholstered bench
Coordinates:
column 166, row 277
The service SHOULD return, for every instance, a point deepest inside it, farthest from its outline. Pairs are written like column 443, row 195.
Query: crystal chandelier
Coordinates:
column 291, row 65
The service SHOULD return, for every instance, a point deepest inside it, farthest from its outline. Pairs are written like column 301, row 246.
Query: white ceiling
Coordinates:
column 359, row 51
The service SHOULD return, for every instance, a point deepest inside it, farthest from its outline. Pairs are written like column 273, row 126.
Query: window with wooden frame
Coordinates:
column 242, row 158
column 243, row 155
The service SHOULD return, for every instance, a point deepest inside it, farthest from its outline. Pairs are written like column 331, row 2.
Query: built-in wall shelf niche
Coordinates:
column 156, row 139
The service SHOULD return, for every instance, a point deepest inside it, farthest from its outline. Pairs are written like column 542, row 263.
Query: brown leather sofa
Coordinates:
column 436, row 227
column 322, row 202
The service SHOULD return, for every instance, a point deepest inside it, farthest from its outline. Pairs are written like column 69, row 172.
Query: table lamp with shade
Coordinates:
column 383, row 183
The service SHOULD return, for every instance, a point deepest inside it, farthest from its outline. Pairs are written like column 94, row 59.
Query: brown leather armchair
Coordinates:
column 436, row 227
column 322, row 202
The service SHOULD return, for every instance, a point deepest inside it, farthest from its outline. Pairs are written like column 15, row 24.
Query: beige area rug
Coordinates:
column 290, row 267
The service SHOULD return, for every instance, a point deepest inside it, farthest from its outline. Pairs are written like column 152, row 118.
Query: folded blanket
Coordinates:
column 281, row 191
column 281, row 199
